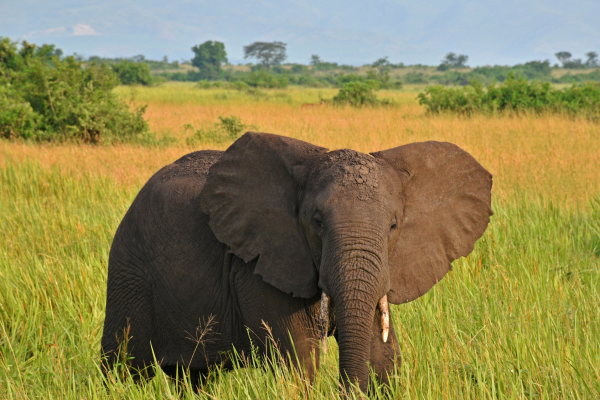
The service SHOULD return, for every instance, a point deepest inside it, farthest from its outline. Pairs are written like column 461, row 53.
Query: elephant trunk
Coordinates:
column 354, row 319
column 356, row 297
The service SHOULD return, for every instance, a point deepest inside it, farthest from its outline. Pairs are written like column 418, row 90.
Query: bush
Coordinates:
column 516, row 95
column 263, row 79
column 17, row 118
column 232, row 125
column 133, row 73
column 357, row 94
column 228, row 128
column 60, row 100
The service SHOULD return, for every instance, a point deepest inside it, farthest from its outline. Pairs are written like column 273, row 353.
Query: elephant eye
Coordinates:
column 394, row 223
column 318, row 220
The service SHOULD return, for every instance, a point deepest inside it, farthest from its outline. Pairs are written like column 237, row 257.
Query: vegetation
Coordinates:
column 515, row 95
column 208, row 59
column 516, row 319
column 132, row 73
column 163, row 64
column 267, row 53
column 46, row 98
column 319, row 65
column 360, row 93
column 227, row 129
column 356, row 94
column 209, row 63
column 576, row 63
column 453, row 61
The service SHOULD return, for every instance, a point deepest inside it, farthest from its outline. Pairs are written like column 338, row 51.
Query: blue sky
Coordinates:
column 351, row 32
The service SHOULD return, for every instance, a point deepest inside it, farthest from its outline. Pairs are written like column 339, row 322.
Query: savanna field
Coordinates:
column 518, row 318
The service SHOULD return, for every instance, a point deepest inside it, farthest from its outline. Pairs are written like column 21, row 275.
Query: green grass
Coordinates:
column 186, row 93
column 518, row 318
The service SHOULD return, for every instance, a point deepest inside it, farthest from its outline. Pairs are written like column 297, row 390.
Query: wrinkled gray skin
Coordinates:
column 253, row 235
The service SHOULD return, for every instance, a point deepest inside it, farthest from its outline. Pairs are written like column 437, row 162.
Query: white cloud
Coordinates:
column 50, row 31
column 84, row 30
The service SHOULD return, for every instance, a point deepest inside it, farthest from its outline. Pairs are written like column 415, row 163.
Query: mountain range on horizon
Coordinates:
column 356, row 33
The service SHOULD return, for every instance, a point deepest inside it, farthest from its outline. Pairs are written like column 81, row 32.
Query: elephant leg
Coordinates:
column 384, row 356
column 277, row 321
column 128, row 324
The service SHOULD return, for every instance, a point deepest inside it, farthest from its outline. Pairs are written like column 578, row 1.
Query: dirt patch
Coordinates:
column 357, row 172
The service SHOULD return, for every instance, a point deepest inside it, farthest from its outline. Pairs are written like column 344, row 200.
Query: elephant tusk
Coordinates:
column 385, row 317
column 324, row 321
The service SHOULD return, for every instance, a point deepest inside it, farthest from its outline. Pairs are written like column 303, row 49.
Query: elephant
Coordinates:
column 280, row 235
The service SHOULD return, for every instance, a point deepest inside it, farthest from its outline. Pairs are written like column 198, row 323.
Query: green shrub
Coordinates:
column 360, row 93
column 133, row 73
column 227, row 129
column 516, row 95
column 263, row 79
column 59, row 99
column 356, row 94
column 17, row 118
column 232, row 125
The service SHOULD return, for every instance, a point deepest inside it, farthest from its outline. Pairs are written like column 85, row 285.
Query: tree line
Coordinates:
column 268, row 69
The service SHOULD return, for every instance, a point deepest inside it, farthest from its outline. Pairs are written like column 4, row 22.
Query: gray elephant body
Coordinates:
column 169, row 277
column 249, row 238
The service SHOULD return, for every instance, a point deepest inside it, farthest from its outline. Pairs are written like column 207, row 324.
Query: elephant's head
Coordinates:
column 356, row 226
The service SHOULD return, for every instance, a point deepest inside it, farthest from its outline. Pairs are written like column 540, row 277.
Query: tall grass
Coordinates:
column 517, row 318
column 550, row 156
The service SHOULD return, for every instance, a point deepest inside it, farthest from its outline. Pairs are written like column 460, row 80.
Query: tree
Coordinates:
column 567, row 62
column 315, row 60
column 268, row 53
column 381, row 62
column 133, row 73
column 592, row 59
column 208, row 59
column 452, row 60
column 563, row 56
column 461, row 61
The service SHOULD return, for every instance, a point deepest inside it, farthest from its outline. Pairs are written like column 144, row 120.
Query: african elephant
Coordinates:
column 281, row 233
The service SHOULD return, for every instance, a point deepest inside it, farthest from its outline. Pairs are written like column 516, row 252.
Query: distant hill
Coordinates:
column 506, row 32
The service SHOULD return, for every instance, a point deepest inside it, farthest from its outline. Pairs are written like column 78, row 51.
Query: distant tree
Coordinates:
column 452, row 60
column 138, row 58
column 315, row 60
column 567, row 62
column 47, row 51
column 299, row 68
column 461, row 61
column 133, row 73
column 208, row 59
column 563, row 57
column 592, row 59
column 267, row 53
column 381, row 62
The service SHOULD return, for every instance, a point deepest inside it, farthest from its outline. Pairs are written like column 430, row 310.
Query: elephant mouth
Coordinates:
column 384, row 310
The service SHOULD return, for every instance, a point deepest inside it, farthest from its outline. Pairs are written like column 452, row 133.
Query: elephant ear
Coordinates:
column 447, row 207
column 251, row 197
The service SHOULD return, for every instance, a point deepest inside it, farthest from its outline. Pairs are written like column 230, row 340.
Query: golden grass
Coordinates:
column 554, row 157
column 517, row 318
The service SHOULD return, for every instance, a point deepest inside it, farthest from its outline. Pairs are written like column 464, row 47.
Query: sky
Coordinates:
column 349, row 32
